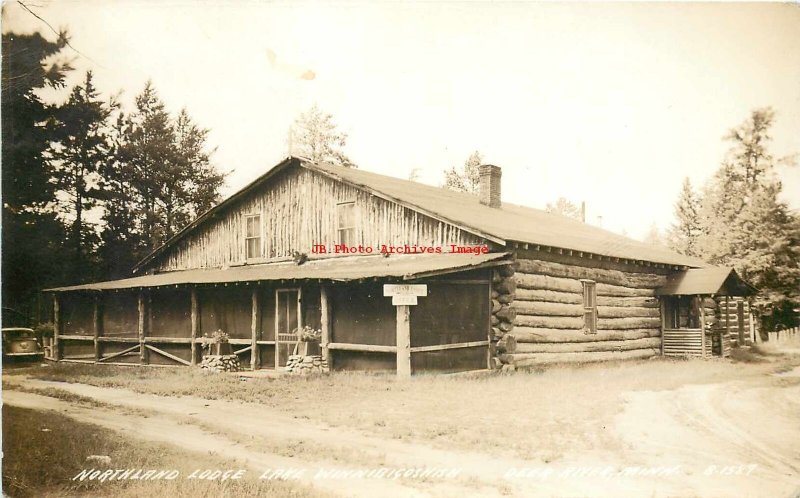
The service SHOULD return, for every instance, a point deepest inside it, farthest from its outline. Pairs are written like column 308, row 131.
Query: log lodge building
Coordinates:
column 508, row 286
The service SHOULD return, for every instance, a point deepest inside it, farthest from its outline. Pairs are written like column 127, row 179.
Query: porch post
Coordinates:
column 702, row 325
column 324, row 306
column 97, row 325
column 195, row 325
column 728, row 320
column 403, row 341
column 56, row 353
column 142, row 318
column 254, row 325
column 740, row 322
column 663, row 306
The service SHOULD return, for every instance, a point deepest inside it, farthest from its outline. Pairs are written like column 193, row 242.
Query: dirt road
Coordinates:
column 727, row 439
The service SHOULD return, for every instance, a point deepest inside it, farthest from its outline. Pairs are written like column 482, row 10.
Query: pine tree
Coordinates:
column 32, row 235
column 467, row 179
column 161, row 179
column 683, row 235
column 743, row 222
column 79, row 153
column 315, row 136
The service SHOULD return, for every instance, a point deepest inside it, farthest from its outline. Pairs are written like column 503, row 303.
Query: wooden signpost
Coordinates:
column 403, row 296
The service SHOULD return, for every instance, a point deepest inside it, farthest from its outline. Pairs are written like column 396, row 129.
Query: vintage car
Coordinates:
column 21, row 342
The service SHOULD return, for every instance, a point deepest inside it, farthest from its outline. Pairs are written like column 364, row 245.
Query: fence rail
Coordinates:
column 784, row 335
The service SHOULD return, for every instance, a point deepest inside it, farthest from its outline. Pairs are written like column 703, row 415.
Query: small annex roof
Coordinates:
column 345, row 268
column 509, row 223
column 706, row 281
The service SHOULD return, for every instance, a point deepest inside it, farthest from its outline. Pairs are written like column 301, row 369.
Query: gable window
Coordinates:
column 252, row 236
column 346, row 223
column 589, row 307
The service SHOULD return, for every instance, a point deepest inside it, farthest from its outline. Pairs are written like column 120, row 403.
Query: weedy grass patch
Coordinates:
column 43, row 451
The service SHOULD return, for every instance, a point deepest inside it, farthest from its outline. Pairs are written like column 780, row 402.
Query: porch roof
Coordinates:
column 338, row 268
column 710, row 280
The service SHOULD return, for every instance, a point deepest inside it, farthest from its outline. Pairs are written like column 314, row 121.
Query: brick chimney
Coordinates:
column 489, row 188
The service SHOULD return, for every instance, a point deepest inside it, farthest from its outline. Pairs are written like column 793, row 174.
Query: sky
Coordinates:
column 608, row 103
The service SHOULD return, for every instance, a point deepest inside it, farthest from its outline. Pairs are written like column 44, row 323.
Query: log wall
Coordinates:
column 548, row 313
column 729, row 319
column 298, row 210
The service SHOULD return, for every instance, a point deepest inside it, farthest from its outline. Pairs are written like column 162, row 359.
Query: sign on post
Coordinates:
column 404, row 300
column 416, row 290
column 403, row 296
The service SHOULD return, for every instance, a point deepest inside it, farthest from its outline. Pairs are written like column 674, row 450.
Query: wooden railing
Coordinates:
column 148, row 342
column 681, row 342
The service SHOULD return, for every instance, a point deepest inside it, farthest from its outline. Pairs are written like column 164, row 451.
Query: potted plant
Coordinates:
column 305, row 336
column 217, row 343
column 44, row 334
column 308, row 334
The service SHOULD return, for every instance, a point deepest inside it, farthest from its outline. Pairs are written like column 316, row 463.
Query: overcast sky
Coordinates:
column 609, row 103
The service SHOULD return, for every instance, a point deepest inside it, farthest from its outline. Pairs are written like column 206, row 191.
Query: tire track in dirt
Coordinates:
column 704, row 425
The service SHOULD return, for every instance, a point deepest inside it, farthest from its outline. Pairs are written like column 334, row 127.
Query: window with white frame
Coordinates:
column 589, row 306
column 346, row 223
column 252, row 236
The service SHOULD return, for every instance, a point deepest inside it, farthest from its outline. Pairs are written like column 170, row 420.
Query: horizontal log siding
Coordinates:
column 549, row 307
column 298, row 210
column 733, row 314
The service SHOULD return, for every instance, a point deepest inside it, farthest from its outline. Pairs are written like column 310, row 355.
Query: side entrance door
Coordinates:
column 288, row 320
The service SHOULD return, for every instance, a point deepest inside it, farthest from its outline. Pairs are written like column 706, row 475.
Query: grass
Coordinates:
column 540, row 415
column 42, row 451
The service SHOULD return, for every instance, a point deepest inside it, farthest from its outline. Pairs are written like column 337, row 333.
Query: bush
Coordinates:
column 45, row 329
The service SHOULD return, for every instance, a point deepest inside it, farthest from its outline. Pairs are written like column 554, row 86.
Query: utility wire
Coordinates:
column 59, row 34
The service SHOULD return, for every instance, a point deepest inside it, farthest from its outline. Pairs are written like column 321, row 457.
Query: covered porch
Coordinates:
column 161, row 319
column 696, row 307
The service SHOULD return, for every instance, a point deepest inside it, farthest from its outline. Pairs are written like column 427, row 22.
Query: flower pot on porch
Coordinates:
column 221, row 348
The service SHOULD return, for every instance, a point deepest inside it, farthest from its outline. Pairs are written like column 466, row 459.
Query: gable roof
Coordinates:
column 710, row 280
column 509, row 223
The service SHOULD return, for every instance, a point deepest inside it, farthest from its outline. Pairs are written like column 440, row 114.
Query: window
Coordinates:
column 346, row 223
column 252, row 236
column 589, row 307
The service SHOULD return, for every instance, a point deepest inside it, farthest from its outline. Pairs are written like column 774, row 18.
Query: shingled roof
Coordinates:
column 507, row 224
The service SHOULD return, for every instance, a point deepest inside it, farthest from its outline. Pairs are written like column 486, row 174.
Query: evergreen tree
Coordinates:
column 468, row 178
column 121, row 241
column 315, row 136
column 81, row 150
column 31, row 232
column 160, row 180
column 202, row 181
column 745, row 225
column 685, row 232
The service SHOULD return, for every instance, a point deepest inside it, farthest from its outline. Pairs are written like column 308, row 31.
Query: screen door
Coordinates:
column 287, row 322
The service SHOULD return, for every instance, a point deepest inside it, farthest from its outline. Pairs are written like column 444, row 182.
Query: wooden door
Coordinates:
column 288, row 320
